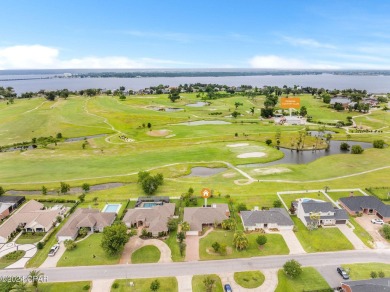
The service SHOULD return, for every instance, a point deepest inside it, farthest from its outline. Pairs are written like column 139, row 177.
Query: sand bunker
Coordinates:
column 238, row 145
column 159, row 133
column 266, row 171
column 251, row 155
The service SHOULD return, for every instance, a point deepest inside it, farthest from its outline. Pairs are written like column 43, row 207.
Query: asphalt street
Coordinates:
column 317, row 260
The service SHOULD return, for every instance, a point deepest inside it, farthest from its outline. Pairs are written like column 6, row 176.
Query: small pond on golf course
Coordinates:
column 303, row 157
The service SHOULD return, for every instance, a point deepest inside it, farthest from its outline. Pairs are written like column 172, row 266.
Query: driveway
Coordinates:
column 352, row 237
column 373, row 230
column 102, row 285
column 135, row 243
column 30, row 250
column 51, row 262
column 330, row 275
column 292, row 242
column 192, row 248
column 184, row 283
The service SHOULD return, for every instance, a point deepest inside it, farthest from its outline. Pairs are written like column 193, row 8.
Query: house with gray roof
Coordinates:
column 272, row 218
column 154, row 218
column 371, row 285
column 328, row 214
column 92, row 219
column 366, row 205
column 199, row 217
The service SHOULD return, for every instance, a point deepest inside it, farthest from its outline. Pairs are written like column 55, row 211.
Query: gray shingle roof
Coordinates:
column 371, row 285
column 340, row 214
column 197, row 216
column 276, row 215
column 313, row 206
column 356, row 204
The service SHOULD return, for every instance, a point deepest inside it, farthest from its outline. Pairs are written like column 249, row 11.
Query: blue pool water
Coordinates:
column 150, row 204
column 112, row 208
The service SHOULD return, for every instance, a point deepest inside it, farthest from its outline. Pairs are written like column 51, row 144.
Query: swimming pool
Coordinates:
column 309, row 199
column 111, row 208
column 150, row 204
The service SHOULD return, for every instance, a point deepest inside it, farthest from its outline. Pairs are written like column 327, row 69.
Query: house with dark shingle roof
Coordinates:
column 199, row 217
column 154, row 218
column 328, row 214
column 92, row 219
column 366, row 205
column 272, row 218
column 371, row 285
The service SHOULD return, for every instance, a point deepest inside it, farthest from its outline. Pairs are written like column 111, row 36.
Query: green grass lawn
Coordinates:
column 173, row 244
column 274, row 246
column 29, row 237
column 310, row 280
column 364, row 236
column 362, row 271
column 337, row 195
column 198, row 285
column 65, row 286
column 88, row 253
column 168, row 284
column 382, row 193
column 321, row 239
column 251, row 279
column 146, row 254
column 11, row 258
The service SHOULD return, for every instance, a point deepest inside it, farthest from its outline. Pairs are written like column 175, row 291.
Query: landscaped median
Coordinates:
column 275, row 246
column 199, row 283
column 321, row 239
column 146, row 254
column 164, row 284
column 250, row 280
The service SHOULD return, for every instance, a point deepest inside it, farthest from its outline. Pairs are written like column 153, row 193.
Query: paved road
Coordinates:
column 205, row 267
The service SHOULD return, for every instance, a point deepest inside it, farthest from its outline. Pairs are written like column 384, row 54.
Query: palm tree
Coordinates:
column 185, row 226
column 19, row 287
column 240, row 241
column 35, row 276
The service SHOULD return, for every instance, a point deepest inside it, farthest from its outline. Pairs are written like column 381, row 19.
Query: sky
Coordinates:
column 262, row 34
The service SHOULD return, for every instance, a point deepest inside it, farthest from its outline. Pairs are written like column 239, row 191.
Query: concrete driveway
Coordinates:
column 292, row 242
column 373, row 230
column 30, row 250
column 352, row 237
column 51, row 262
column 192, row 248
column 330, row 275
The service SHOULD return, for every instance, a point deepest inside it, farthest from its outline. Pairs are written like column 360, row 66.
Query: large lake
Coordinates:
column 374, row 84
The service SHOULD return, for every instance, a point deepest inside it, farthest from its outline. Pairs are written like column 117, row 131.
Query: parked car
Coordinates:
column 228, row 288
column 343, row 273
column 377, row 221
column 54, row 250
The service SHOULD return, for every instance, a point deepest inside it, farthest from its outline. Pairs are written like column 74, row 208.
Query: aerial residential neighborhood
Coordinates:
column 195, row 146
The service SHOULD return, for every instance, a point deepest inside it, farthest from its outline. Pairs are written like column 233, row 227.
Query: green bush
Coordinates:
column 14, row 255
column 87, row 287
column 261, row 240
column 378, row 144
column 374, row 274
column 40, row 245
column 357, row 149
column 115, row 285
column 386, row 231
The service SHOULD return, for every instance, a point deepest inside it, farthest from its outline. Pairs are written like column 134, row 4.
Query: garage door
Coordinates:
column 341, row 221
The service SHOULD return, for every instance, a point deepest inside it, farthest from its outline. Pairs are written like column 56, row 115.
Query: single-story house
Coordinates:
column 9, row 204
column 153, row 218
column 370, row 285
column 199, row 217
column 92, row 219
column 31, row 217
column 328, row 215
column 366, row 205
column 272, row 218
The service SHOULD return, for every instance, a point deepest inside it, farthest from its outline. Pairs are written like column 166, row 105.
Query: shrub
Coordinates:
column 344, row 146
column 357, row 149
column 115, row 285
column 373, row 275
column 386, row 231
column 241, row 207
column 378, row 144
column 70, row 244
column 40, row 245
column 292, row 268
column 277, row 204
column 261, row 240
column 223, row 249
column 155, row 285
column 83, row 232
column 86, row 287
column 216, row 246
column 381, row 274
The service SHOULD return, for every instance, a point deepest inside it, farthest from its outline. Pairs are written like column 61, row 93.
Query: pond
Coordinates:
column 165, row 109
column 205, row 171
column 303, row 157
column 200, row 123
column 320, row 134
column 198, row 104
column 83, row 138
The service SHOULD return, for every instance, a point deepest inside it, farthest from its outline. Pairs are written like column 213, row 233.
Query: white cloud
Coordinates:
column 276, row 62
column 301, row 42
column 43, row 57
